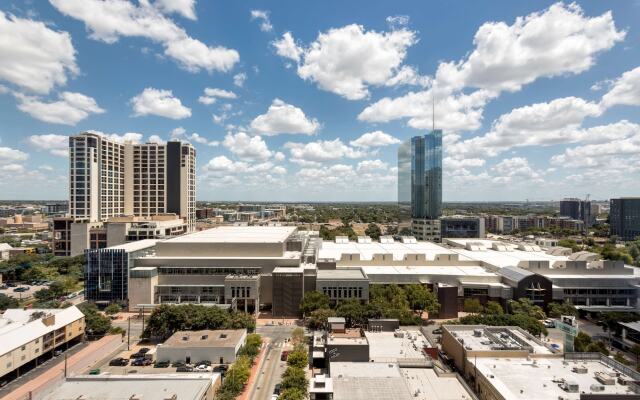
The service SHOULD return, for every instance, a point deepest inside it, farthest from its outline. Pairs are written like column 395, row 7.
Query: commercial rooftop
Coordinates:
column 334, row 251
column 386, row 347
column 512, row 378
column 366, row 381
column 209, row 338
column 341, row 274
column 484, row 338
column 238, row 234
column 19, row 326
column 427, row 385
column 135, row 246
column 124, row 387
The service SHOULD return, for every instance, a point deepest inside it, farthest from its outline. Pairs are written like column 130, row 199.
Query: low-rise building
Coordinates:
column 215, row 346
column 137, row 387
column 27, row 334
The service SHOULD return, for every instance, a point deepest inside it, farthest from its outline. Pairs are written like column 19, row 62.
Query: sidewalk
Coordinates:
column 76, row 364
column 255, row 370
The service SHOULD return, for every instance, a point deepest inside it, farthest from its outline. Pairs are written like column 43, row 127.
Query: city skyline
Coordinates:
column 535, row 101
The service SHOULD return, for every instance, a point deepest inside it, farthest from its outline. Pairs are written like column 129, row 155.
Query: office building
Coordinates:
column 624, row 217
column 420, row 183
column 27, row 334
column 56, row 208
column 106, row 273
column 180, row 386
column 460, row 226
column 577, row 209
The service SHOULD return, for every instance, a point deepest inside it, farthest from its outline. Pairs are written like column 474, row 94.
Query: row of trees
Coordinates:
column 294, row 379
column 385, row 301
column 166, row 319
column 235, row 379
column 522, row 313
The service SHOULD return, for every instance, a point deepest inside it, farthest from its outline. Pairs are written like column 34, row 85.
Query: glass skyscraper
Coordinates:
column 420, row 175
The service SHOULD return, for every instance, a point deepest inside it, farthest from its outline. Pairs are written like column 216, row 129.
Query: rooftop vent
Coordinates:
column 205, row 337
column 223, row 336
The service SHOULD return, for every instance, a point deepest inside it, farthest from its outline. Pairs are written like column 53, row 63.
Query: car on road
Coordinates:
column 184, row 368
column 21, row 289
column 437, row 331
column 284, row 355
column 95, row 371
column 119, row 362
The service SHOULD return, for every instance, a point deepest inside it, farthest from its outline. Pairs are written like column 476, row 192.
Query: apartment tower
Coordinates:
column 110, row 179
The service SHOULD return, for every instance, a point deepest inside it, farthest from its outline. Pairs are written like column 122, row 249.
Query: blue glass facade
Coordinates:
column 420, row 175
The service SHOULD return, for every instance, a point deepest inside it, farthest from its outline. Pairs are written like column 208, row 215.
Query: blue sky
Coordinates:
column 308, row 101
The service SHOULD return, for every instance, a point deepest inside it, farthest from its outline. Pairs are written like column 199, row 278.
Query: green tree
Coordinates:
column 292, row 394
column 96, row 324
column 298, row 359
column 597, row 347
column 318, row 319
column 556, row 310
column 313, row 300
column 526, row 306
column 352, row 310
column 252, row 346
column 373, row 231
column 619, row 357
column 420, row 298
column 581, row 342
column 294, row 378
column 297, row 336
column 112, row 309
column 7, row 302
column 472, row 305
column 493, row 308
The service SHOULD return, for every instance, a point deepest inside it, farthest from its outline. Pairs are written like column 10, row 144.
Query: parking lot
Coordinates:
column 27, row 294
column 105, row 368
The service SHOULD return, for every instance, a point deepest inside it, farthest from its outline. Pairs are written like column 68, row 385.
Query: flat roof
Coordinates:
column 427, row 385
column 118, row 387
column 341, row 274
column 496, row 338
column 366, row 381
column 453, row 270
column 209, row 338
column 238, row 234
column 135, row 246
column 332, row 250
column 512, row 378
column 385, row 347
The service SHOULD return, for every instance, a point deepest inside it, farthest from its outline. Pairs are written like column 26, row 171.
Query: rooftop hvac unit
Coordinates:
column 477, row 332
column 570, row 387
column 580, row 370
column 596, row 388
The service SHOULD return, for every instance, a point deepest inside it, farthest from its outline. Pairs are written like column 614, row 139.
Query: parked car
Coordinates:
column 11, row 285
column 144, row 350
column 56, row 353
column 95, row 371
column 222, row 369
column 21, row 289
column 437, row 331
column 284, row 355
column 203, row 367
column 119, row 362
column 137, row 355
column 139, row 362
column 161, row 364
column 549, row 323
column 276, row 389
column 184, row 369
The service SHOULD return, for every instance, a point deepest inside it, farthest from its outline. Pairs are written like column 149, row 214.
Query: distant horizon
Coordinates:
column 335, row 202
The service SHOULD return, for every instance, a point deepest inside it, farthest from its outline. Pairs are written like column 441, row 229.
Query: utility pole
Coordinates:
column 128, row 332
column 65, row 365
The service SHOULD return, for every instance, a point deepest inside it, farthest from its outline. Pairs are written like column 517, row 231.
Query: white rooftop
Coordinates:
column 385, row 347
column 366, row 381
column 135, row 246
column 238, row 234
column 482, row 338
column 17, row 327
column 429, row 386
column 333, row 250
column 512, row 378
column 125, row 387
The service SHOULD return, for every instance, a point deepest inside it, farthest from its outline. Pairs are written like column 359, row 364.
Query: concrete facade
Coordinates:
column 215, row 346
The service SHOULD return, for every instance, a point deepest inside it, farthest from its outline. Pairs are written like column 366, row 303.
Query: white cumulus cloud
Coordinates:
column 159, row 102
column 374, row 139
column 284, row 118
column 263, row 17
column 69, row 109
